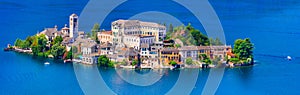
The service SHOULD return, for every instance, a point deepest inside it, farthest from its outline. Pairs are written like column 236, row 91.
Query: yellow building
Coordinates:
column 214, row 51
column 105, row 37
column 168, row 54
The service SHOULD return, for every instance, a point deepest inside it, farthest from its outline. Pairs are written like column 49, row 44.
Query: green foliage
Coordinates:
column 30, row 40
column 104, row 61
column 47, row 53
column 243, row 49
column 134, row 62
column 41, row 54
column 97, row 40
column 200, row 38
column 57, row 40
column 168, row 37
column 95, row 30
column 69, row 54
column 38, row 44
column 172, row 62
column 74, row 49
column 35, row 50
column 171, row 28
column 18, row 43
column 203, row 56
column 42, row 42
column 205, row 59
column 188, row 35
column 189, row 61
column 57, row 50
column 177, row 45
column 111, row 64
column 216, row 41
column 234, row 60
column 88, row 35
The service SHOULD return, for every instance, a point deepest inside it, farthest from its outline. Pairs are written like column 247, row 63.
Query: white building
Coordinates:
column 189, row 52
column 89, row 50
column 120, row 28
column 136, row 41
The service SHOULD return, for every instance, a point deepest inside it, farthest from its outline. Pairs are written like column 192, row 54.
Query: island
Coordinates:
column 135, row 44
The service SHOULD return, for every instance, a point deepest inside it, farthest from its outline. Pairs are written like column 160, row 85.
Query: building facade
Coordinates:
column 105, row 37
column 189, row 52
column 135, row 27
column 166, row 55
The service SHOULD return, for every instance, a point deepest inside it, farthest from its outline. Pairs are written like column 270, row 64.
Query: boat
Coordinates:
column 46, row 63
column 289, row 57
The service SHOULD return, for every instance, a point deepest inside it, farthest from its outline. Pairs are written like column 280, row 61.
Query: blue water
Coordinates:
column 273, row 27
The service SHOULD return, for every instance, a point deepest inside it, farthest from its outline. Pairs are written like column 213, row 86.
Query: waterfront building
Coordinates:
column 219, row 51
column 105, row 37
column 168, row 54
column 189, row 52
column 136, row 41
column 73, row 24
column 89, row 50
column 127, row 54
column 149, row 55
column 90, row 59
column 135, row 27
column 214, row 52
column 145, row 51
column 106, row 49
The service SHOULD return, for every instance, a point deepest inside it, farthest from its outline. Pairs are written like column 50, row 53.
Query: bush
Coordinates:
column 234, row 60
column 173, row 63
column 189, row 61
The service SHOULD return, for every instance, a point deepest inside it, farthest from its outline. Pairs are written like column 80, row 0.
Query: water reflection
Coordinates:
column 140, row 77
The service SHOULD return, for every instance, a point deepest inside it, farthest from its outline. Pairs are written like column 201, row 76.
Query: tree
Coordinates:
column 170, row 28
column 243, row 49
column 97, row 40
column 69, row 54
column 200, row 38
column 42, row 42
column 88, row 35
column 103, row 61
column 95, row 30
column 57, row 50
column 18, row 43
column 57, row 40
column 216, row 41
column 35, row 50
column 189, row 61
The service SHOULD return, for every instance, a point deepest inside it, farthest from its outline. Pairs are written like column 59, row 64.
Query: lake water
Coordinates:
column 273, row 27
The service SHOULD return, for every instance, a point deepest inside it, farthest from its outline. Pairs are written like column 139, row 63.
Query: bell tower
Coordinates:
column 73, row 21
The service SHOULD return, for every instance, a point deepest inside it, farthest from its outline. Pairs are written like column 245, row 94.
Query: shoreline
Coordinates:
column 200, row 66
